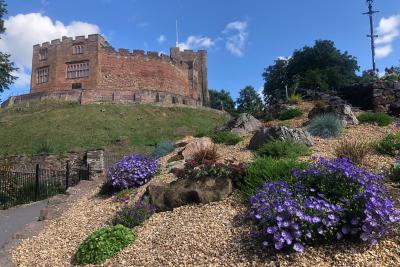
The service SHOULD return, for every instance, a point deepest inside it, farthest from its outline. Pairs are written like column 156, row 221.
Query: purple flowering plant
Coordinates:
column 331, row 200
column 132, row 171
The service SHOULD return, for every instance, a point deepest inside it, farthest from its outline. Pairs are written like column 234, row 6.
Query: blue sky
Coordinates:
column 242, row 37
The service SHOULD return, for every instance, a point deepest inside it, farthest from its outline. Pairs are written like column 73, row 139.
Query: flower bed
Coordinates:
column 329, row 201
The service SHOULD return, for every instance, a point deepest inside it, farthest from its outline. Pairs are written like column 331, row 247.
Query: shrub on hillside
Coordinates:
column 264, row 170
column 45, row 147
column 380, row 118
column 283, row 149
column 163, row 148
column 329, row 201
column 289, row 114
column 389, row 145
column 356, row 151
column 103, row 244
column 295, row 99
column 225, row 137
column 132, row 171
column 394, row 173
column 325, row 125
column 133, row 215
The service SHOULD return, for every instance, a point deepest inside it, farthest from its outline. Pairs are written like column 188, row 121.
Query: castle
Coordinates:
column 88, row 70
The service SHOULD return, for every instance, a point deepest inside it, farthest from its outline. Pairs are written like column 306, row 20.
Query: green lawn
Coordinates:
column 67, row 126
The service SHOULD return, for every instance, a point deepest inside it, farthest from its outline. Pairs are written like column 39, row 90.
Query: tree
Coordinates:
column 6, row 66
column 275, row 77
column 249, row 101
column 221, row 100
column 322, row 67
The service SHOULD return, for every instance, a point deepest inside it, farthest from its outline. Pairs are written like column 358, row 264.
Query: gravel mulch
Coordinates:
column 215, row 234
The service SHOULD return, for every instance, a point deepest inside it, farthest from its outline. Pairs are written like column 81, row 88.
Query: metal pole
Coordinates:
column 67, row 176
column 37, row 182
column 371, row 35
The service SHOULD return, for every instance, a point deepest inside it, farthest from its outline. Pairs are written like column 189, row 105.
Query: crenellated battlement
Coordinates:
column 70, row 41
column 90, row 63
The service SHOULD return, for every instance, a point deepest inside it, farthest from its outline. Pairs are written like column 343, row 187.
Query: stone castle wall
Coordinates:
column 118, row 76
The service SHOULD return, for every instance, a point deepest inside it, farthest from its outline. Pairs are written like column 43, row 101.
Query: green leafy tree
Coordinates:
column 321, row 67
column 275, row 77
column 221, row 100
column 249, row 101
column 6, row 66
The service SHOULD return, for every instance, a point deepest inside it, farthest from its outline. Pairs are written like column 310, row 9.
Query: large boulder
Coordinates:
column 195, row 146
column 244, row 124
column 188, row 191
column 265, row 135
column 343, row 111
column 395, row 108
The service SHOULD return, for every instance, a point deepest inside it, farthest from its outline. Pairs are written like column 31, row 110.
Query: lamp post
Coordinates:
column 370, row 13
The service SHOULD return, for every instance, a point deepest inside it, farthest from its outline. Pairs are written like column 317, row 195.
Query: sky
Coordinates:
column 242, row 37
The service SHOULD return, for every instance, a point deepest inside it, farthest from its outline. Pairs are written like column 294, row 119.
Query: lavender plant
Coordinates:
column 329, row 201
column 132, row 171
column 133, row 215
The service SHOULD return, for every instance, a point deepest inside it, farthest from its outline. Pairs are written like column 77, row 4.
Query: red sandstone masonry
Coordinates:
column 119, row 76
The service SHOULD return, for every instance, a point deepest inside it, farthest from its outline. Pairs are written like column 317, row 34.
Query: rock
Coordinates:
column 46, row 214
column 176, row 166
column 197, row 145
column 395, row 108
column 188, row 191
column 244, row 124
column 343, row 111
column 183, row 142
column 265, row 135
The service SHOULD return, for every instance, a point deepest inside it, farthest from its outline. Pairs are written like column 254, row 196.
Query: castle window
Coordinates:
column 77, row 70
column 42, row 75
column 43, row 54
column 76, row 86
column 77, row 49
column 157, row 97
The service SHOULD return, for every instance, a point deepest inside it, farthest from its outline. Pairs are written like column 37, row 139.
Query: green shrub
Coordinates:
column 104, row 244
column 389, row 145
column 226, row 137
column 264, row 170
column 267, row 117
column 380, row 118
column 174, row 158
column 133, row 215
column 289, row 114
column 295, row 99
column 325, row 125
column 394, row 173
column 46, row 148
column 163, row 148
column 283, row 149
column 356, row 151
column 285, row 123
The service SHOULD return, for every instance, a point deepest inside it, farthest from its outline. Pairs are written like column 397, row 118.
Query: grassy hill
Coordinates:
column 62, row 126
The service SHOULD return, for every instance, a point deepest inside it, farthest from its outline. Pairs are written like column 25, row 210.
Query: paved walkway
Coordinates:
column 15, row 219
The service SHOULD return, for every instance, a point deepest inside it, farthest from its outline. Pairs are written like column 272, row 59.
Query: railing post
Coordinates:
column 37, row 182
column 67, row 176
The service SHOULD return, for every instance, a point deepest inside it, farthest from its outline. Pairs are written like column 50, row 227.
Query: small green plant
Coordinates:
column 289, row 114
column 163, row 148
column 133, row 215
column 285, row 123
column 356, row 151
column 174, row 158
column 264, row 170
column 325, row 125
column 380, row 118
column 295, row 99
column 225, row 137
column 104, row 244
column 45, row 147
column 279, row 149
column 389, row 145
column 394, row 173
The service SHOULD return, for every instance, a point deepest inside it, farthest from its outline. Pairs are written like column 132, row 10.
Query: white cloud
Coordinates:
column 196, row 42
column 236, row 37
column 161, row 39
column 25, row 30
column 383, row 51
column 388, row 30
